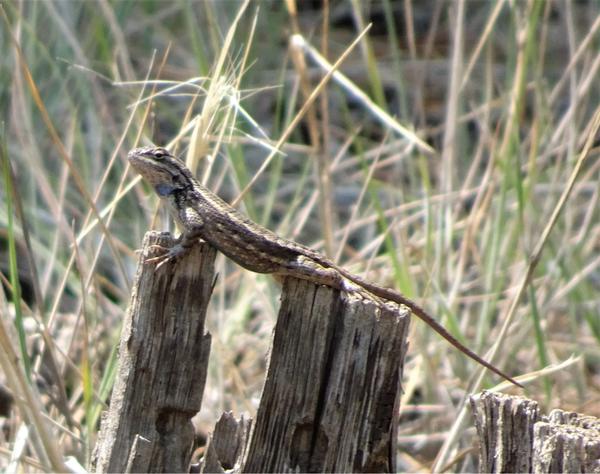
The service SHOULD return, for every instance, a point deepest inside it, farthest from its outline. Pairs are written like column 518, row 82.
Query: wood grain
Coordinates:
column 163, row 358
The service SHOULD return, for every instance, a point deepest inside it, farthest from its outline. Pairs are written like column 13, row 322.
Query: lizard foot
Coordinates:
column 169, row 254
column 357, row 290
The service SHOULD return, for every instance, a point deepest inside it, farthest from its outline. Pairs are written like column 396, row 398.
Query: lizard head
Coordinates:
column 163, row 171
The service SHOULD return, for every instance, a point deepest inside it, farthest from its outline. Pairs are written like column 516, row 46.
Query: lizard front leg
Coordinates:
column 184, row 243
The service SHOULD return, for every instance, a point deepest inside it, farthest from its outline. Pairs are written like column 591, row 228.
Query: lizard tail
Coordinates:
column 396, row 297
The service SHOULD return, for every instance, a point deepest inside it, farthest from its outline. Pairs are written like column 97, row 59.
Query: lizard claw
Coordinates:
column 357, row 290
column 169, row 254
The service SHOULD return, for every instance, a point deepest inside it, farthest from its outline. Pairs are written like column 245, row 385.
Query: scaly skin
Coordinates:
column 202, row 214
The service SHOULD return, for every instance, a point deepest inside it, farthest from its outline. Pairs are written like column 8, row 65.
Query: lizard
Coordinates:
column 202, row 214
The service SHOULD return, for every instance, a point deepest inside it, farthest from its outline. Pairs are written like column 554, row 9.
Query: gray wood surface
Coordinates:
column 505, row 429
column 567, row 442
column 161, row 372
column 333, row 385
column 226, row 445
column 331, row 394
column 514, row 437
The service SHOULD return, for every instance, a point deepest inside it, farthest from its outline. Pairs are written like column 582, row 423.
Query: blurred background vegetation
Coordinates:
column 433, row 165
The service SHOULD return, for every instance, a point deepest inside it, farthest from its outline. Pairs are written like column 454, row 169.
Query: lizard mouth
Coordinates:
column 137, row 154
column 135, row 160
column 142, row 162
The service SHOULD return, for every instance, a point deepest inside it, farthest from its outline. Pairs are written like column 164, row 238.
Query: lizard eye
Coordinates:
column 160, row 153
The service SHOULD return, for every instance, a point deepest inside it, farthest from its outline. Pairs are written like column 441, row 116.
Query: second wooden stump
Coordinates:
column 333, row 385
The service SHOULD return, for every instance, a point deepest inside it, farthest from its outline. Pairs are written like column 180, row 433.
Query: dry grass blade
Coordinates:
column 307, row 104
column 198, row 141
column 385, row 118
column 28, row 399
column 591, row 135
column 60, row 147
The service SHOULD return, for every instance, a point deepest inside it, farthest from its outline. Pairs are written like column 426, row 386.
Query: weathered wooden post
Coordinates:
column 332, row 390
column 515, row 437
column 330, row 398
column 162, row 365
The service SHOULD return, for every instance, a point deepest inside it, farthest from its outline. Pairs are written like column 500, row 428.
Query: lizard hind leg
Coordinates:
column 306, row 268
